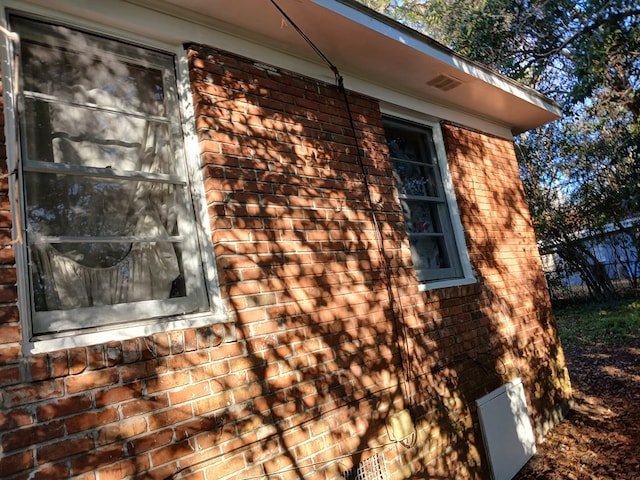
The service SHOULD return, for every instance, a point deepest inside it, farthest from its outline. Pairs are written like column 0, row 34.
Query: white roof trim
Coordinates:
column 376, row 55
column 430, row 47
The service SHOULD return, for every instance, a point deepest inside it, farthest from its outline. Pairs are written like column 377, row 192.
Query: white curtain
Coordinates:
column 71, row 275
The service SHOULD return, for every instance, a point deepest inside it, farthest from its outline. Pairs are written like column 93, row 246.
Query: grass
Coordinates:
column 614, row 323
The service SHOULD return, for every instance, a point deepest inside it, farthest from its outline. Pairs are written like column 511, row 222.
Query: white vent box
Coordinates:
column 506, row 429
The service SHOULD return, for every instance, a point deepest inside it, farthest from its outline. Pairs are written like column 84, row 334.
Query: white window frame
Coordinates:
column 211, row 309
column 456, row 242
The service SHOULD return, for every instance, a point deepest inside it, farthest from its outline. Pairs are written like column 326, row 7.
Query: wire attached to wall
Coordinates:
column 399, row 323
column 313, row 46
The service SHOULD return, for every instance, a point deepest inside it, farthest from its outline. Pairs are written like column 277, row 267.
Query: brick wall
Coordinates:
column 332, row 332
column 471, row 339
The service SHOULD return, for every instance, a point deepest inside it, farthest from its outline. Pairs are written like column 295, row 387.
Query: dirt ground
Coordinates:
column 600, row 437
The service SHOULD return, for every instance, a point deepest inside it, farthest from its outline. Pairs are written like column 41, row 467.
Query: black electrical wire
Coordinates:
column 313, row 46
column 399, row 326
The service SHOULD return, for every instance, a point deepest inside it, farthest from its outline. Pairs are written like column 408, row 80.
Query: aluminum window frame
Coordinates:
column 455, row 232
column 210, row 308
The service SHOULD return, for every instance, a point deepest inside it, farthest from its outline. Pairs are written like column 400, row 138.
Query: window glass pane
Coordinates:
column 412, row 145
column 421, row 217
column 136, row 272
column 77, row 67
column 415, row 179
column 80, row 206
column 428, row 253
column 69, row 274
column 88, row 137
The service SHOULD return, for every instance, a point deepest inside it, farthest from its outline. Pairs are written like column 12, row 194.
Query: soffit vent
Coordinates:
column 444, row 82
column 373, row 468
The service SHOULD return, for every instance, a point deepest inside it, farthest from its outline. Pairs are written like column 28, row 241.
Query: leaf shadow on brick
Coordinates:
column 333, row 334
column 301, row 269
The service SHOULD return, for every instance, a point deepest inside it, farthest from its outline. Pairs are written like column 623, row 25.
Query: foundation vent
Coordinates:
column 506, row 429
column 373, row 468
column 444, row 82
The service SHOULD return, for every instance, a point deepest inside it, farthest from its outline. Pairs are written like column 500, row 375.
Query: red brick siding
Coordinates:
column 503, row 246
column 470, row 339
column 324, row 349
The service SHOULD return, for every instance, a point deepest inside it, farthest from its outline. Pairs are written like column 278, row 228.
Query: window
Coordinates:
column 110, row 230
column 424, row 202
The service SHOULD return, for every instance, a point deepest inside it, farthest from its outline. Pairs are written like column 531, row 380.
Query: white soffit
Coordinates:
column 368, row 46
column 376, row 55
column 481, row 90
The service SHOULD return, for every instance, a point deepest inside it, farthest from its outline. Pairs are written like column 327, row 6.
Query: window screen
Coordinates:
column 109, row 226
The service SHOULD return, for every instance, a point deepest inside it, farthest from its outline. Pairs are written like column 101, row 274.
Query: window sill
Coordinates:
column 455, row 282
column 49, row 343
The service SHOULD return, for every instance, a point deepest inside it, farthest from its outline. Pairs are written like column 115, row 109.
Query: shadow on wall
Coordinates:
column 318, row 358
column 324, row 360
column 501, row 240
column 333, row 334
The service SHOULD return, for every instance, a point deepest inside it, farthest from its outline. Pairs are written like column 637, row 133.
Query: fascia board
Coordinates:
column 399, row 33
column 521, row 108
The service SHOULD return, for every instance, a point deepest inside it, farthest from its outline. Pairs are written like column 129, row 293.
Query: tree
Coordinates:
column 583, row 172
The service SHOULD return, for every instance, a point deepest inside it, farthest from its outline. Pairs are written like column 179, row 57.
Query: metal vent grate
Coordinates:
column 373, row 468
column 444, row 82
